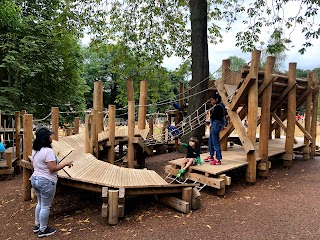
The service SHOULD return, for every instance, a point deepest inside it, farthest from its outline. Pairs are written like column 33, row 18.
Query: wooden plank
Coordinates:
column 175, row 203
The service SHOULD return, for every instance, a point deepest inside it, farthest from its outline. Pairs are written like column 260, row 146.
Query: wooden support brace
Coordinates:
column 278, row 120
column 306, row 134
column 121, row 202
column 266, row 83
column 195, row 202
column 26, row 164
column 222, row 191
column 175, row 203
column 187, row 196
column 283, row 96
column 242, row 92
column 113, row 206
column 104, row 208
column 263, row 165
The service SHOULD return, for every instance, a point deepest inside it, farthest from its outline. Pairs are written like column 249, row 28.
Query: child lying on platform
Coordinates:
column 193, row 155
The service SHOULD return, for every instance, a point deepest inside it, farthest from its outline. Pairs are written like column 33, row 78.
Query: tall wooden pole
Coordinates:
column 27, row 151
column 225, row 74
column 314, row 112
column 252, row 116
column 265, row 117
column 131, row 125
column 143, row 104
column 17, row 134
column 277, row 131
column 76, row 125
column 291, row 119
column 55, row 122
column 98, row 103
column 130, row 90
column 307, row 119
column 150, row 121
column 88, row 133
column 94, row 132
column 111, row 132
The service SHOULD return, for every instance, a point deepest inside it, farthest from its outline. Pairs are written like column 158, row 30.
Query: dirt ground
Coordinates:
column 283, row 206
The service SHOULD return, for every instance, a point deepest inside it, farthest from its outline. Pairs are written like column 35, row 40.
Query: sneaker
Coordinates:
column 47, row 232
column 180, row 173
column 36, row 229
column 215, row 162
column 208, row 159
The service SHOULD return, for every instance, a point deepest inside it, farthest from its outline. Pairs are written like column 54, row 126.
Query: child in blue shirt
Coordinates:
column 2, row 149
column 173, row 131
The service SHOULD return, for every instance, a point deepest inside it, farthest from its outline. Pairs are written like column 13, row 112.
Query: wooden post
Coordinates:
column 97, row 102
column 113, row 206
column 23, row 112
column 94, row 132
column 277, row 133
column 76, row 125
column 55, row 122
column 187, row 195
column 225, row 74
column 27, row 151
column 17, row 134
column 69, row 131
column 130, row 91
column 9, row 159
column 88, row 134
column 104, row 208
column 143, row 104
column 265, row 116
column 291, row 119
column 307, row 119
column 111, row 132
column 150, row 120
column 252, row 116
column 181, row 100
column 131, row 125
column 314, row 113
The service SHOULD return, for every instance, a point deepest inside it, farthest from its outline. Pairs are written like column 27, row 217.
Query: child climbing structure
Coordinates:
column 278, row 97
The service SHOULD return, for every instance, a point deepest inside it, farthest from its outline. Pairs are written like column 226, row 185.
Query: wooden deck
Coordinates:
column 236, row 157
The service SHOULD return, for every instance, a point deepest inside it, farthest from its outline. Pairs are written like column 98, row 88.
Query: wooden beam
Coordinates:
column 111, row 132
column 17, row 134
column 175, row 203
column 76, row 125
column 113, row 206
column 242, row 92
column 307, row 119
column 130, row 91
column 131, row 126
column 314, row 119
column 55, row 122
column 306, row 134
column 265, row 114
column 266, row 83
column 291, row 110
column 236, row 121
column 143, row 104
column 281, row 124
column 27, row 150
column 252, row 116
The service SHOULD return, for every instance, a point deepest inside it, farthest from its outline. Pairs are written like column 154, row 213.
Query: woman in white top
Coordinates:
column 44, row 179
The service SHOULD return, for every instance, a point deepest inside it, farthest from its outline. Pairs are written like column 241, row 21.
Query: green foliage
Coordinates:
column 236, row 63
column 40, row 60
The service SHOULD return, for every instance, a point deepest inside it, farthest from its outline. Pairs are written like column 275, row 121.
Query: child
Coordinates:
column 193, row 155
column 2, row 149
column 173, row 131
column 216, row 120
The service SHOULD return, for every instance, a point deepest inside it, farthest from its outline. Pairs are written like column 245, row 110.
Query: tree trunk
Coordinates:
column 200, row 61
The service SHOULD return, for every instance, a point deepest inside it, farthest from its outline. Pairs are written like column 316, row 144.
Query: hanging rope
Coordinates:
column 42, row 119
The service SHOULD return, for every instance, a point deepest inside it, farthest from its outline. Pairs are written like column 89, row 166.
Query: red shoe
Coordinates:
column 208, row 159
column 215, row 162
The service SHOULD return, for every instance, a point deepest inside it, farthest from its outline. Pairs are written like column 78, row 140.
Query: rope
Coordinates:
column 42, row 119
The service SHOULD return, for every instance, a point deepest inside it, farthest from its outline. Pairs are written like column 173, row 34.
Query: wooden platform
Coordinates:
column 236, row 157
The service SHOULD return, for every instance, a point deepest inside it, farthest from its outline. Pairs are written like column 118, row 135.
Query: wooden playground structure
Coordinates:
column 278, row 97
column 243, row 93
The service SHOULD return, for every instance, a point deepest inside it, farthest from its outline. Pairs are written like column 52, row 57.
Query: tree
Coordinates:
column 236, row 63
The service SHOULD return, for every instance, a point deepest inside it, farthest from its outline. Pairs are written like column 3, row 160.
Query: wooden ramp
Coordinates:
column 234, row 158
column 92, row 174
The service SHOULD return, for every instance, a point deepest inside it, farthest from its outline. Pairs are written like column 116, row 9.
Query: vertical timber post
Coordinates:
column 111, row 132
column 94, row 133
column 291, row 120
column 98, row 103
column 277, row 130
column 131, row 126
column 143, row 104
column 251, row 173
column 314, row 112
column 265, row 117
column 17, row 134
column 76, row 125
column 55, row 122
column 88, row 133
column 225, row 74
column 27, row 151
column 307, row 119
